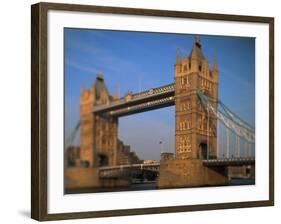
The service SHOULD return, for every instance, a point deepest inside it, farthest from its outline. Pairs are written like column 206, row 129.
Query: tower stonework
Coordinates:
column 86, row 126
column 195, row 135
column 195, row 128
column 98, row 135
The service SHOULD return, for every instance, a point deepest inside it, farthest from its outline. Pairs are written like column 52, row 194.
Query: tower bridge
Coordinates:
column 199, row 159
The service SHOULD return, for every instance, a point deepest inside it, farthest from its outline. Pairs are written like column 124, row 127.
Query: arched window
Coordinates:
column 203, row 150
column 188, row 125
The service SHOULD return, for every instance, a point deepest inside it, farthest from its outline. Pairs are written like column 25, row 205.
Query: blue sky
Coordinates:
column 137, row 61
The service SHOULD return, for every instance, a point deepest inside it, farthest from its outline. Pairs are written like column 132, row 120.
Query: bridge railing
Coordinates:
column 139, row 165
column 143, row 106
column 230, row 161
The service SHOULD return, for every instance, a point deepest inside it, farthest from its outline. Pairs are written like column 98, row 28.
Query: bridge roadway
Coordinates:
column 121, row 170
column 138, row 165
column 139, row 102
column 240, row 161
column 125, row 170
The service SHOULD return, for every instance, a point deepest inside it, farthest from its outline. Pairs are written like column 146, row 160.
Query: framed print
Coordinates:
column 139, row 111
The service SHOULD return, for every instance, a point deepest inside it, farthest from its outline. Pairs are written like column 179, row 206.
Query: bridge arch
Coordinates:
column 103, row 159
column 203, row 150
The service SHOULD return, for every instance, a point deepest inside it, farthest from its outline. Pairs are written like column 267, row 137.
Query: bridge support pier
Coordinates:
column 81, row 178
column 88, row 179
column 189, row 173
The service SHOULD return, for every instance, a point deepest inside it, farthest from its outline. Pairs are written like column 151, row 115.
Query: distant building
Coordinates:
column 72, row 156
column 124, row 154
column 133, row 158
column 167, row 156
column 241, row 172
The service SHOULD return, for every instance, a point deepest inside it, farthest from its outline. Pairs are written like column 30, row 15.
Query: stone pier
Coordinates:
column 88, row 178
column 189, row 173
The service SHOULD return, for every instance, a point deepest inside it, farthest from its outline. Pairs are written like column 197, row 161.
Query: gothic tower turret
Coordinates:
column 195, row 130
column 178, row 63
column 98, row 135
column 87, row 100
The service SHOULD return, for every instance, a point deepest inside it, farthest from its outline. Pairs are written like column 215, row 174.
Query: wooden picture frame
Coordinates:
column 39, row 109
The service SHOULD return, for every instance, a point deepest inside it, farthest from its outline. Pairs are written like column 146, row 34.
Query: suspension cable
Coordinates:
column 227, row 143
column 238, row 145
column 239, row 127
column 71, row 137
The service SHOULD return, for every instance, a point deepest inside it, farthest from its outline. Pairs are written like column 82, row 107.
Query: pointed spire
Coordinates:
column 197, row 42
column 100, row 75
column 215, row 65
column 93, row 87
column 178, row 60
column 116, row 94
column 100, row 87
column 93, row 83
column 185, row 57
column 196, row 52
column 83, row 87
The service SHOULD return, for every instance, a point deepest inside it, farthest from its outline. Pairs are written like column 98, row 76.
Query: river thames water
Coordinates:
column 149, row 186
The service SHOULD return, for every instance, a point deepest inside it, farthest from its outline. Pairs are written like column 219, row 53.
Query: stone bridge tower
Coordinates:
column 98, row 135
column 195, row 132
